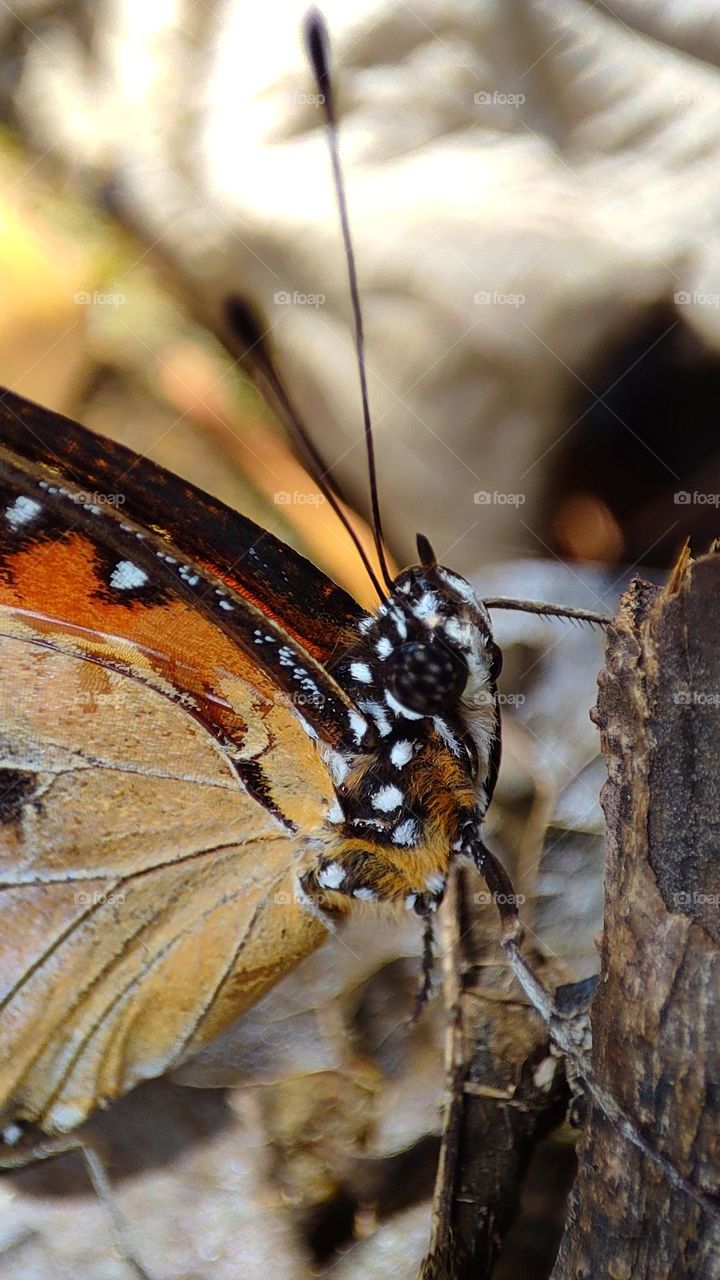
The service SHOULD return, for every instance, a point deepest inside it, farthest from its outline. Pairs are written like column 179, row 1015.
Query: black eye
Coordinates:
column 496, row 661
column 426, row 678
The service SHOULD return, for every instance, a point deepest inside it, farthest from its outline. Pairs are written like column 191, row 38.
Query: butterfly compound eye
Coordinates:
column 426, row 677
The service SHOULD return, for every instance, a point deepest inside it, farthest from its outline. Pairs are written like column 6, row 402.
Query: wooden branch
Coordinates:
column 504, row 1091
column 656, row 1018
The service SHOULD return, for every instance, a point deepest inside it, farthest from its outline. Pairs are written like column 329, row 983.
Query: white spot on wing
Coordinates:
column 361, row 672
column 384, row 647
column 21, row 511
column 126, row 575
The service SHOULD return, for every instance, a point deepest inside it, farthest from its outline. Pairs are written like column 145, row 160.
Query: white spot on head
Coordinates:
column 460, row 632
column 399, row 709
column 361, row 672
column 11, row 1134
column 401, row 753
column 21, row 511
column 332, row 876
column 459, row 585
column 427, row 609
column 387, row 798
column 126, row 575
column 365, row 894
column 400, row 623
column 406, row 832
column 410, row 901
column 384, row 647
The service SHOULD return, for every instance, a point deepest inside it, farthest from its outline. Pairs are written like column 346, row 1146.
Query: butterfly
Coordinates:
column 208, row 751
column 210, row 754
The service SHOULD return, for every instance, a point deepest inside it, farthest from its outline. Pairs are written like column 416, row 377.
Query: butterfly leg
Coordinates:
column 46, row 1150
column 558, row 1020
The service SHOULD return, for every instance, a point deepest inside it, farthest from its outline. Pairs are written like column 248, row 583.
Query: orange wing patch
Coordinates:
column 171, row 646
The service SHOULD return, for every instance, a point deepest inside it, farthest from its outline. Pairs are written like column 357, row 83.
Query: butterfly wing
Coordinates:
column 159, row 790
column 106, row 569
column 146, row 899
column 235, row 550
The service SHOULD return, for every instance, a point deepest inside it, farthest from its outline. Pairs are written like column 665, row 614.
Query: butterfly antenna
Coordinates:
column 548, row 610
column 318, row 48
column 244, row 326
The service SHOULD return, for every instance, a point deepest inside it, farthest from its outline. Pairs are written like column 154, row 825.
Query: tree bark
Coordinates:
column 656, row 1017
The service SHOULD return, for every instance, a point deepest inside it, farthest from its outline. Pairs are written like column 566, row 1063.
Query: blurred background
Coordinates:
column 534, row 198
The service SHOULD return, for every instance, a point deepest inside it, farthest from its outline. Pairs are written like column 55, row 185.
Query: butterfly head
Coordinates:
column 439, row 656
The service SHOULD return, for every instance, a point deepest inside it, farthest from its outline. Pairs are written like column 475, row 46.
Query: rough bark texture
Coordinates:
column 505, row 1091
column 656, row 1017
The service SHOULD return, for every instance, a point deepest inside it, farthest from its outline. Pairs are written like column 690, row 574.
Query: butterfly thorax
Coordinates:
column 422, row 672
